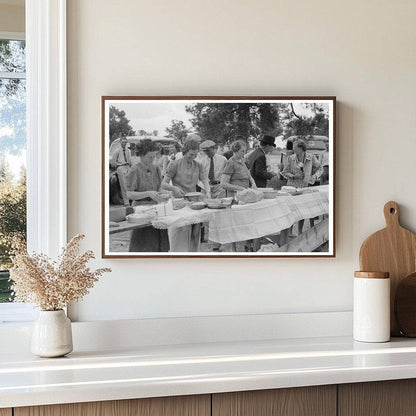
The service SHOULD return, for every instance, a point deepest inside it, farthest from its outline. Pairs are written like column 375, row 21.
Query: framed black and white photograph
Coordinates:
column 218, row 176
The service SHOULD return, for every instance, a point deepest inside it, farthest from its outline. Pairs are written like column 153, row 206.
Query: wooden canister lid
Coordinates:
column 372, row 275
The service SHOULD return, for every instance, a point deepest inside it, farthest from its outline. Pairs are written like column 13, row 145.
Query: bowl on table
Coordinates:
column 219, row 203
column 193, row 196
column 289, row 189
column 197, row 205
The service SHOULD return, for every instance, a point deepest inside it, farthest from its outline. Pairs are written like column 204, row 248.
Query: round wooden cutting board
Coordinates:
column 393, row 250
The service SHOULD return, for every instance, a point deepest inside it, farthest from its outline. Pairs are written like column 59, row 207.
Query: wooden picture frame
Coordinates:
column 286, row 222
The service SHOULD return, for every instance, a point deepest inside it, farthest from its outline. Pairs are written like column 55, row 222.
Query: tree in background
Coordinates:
column 315, row 123
column 6, row 176
column 267, row 118
column 12, row 213
column 142, row 132
column 12, row 223
column 119, row 124
column 177, row 131
column 222, row 122
column 12, row 55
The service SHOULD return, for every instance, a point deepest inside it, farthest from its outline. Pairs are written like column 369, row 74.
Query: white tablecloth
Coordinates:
column 244, row 222
column 183, row 217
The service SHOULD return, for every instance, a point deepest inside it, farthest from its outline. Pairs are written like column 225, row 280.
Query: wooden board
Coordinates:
column 159, row 406
column 309, row 240
column 299, row 401
column 5, row 412
column 382, row 398
column 126, row 226
column 393, row 250
column 405, row 306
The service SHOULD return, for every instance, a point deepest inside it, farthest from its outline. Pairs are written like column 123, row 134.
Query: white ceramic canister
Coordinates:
column 371, row 312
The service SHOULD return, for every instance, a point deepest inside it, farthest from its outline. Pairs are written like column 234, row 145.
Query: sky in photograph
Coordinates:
column 154, row 116
column 158, row 116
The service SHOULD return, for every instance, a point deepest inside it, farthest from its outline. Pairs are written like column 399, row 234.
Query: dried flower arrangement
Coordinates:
column 53, row 285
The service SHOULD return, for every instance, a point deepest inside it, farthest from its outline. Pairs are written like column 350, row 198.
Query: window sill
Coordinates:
column 16, row 313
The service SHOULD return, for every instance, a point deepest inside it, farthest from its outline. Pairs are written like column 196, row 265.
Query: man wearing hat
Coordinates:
column 256, row 161
column 213, row 164
column 122, row 162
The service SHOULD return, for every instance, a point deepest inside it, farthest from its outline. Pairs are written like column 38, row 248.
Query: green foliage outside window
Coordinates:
column 12, row 144
column 12, row 224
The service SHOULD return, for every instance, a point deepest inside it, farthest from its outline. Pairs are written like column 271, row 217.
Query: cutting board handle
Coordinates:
column 391, row 214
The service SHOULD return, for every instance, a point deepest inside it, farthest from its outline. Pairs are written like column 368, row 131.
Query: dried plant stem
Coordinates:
column 53, row 285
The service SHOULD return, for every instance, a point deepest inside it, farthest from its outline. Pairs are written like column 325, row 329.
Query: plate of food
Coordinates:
column 219, row 203
column 289, row 191
column 197, row 205
column 268, row 193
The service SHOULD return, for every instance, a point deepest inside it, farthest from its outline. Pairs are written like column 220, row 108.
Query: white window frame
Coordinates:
column 46, row 127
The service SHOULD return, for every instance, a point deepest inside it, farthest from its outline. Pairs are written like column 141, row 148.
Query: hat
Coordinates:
column 194, row 136
column 207, row 144
column 268, row 140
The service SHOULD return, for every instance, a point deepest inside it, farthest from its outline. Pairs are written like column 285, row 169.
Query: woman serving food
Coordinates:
column 236, row 175
column 303, row 168
column 182, row 176
column 143, row 185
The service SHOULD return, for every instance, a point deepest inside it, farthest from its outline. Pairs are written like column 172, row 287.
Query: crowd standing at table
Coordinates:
column 213, row 163
column 257, row 164
column 303, row 168
column 161, row 160
column 121, row 161
column 236, row 176
column 143, row 185
column 182, row 176
column 200, row 167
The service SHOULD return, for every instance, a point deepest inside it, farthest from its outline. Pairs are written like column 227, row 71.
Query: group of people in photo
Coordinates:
column 150, row 172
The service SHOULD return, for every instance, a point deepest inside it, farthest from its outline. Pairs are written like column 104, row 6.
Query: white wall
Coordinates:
column 12, row 18
column 363, row 52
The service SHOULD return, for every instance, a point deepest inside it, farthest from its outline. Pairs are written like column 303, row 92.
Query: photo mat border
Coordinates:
column 332, row 196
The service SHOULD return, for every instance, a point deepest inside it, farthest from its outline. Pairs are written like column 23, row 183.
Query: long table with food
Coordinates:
column 244, row 222
column 268, row 216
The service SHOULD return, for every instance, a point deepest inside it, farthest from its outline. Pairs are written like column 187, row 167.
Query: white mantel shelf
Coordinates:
column 151, row 371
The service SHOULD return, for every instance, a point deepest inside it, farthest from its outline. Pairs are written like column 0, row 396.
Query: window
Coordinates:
column 12, row 153
column 45, row 27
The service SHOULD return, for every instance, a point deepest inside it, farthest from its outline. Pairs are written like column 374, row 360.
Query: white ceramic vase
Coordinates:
column 52, row 334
